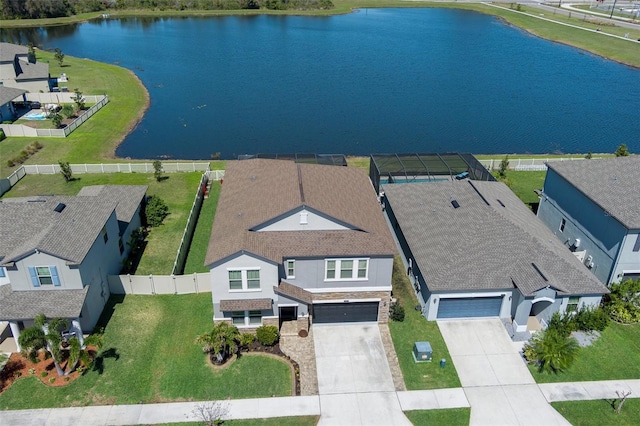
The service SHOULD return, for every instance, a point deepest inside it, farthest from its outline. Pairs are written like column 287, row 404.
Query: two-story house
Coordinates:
column 300, row 242
column 592, row 207
column 19, row 71
column 57, row 251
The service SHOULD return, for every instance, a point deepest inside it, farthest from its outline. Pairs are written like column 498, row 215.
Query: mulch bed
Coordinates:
column 257, row 348
column 18, row 367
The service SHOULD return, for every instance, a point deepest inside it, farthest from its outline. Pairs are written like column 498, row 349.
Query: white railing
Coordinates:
column 525, row 164
column 160, row 284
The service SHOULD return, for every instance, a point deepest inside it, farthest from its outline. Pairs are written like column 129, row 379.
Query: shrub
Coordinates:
column 396, row 312
column 65, row 171
column 267, row 334
column 551, row 351
column 156, row 211
column 157, row 170
column 2, row 135
column 67, row 110
column 623, row 304
column 563, row 324
column 246, row 339
column 588, row 319
column 52, row 379
column 43, row 374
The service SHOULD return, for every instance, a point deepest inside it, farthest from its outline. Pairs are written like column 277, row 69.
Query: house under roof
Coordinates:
column 611, row 183
column 258, row 192
column 7, row 94
column 490, row 241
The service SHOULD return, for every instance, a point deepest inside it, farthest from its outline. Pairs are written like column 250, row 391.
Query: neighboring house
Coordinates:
column 298, row 242
column 592, row 206
column 57, row 252
column 476, row 250
column 7, row 96
column 17, row 71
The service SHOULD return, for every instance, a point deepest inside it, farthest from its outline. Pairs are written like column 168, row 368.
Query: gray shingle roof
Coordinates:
column 8, row 51
column 22, row 305
column 611, row 183
column 483, row 247
column 7, row 94
column 28, row 71
column 255, row 191
column 127, row 197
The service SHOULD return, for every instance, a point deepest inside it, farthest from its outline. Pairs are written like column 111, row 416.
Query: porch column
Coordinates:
column 15, row 330
column 75, row 326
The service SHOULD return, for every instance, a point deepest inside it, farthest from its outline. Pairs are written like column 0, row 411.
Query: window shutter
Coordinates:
column 54, row 275
column 34, row 276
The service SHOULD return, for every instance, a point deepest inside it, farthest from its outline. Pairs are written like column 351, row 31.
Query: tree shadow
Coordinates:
column 98, row 362
column 162, row 178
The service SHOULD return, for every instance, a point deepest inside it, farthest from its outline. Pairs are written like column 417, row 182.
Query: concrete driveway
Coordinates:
column 495, row 378
column 354, row 380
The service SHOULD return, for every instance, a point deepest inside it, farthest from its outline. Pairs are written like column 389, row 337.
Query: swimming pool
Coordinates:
column 35, row 115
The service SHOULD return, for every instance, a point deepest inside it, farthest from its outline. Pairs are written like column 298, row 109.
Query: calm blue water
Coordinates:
column 386, row 80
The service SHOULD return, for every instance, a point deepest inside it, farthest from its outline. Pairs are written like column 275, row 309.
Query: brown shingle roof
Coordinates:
column 258, row 190
column 293, row 291
column 245, row 305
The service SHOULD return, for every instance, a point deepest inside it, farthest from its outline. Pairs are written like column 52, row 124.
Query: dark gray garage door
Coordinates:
column 470, row 307
column 345, row 312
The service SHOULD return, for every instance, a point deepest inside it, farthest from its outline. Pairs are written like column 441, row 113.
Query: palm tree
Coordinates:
column 53, row 329
column 79, row 353
column 222, row 340
column 31, row 340
column 553, row 351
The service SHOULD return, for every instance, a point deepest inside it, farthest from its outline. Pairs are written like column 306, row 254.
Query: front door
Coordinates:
column 288, row 313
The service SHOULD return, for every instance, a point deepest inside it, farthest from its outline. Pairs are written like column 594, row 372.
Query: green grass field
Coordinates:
column 599, row 412
column 415, row 328
column 615, row 355
column 202, row 233
column 150, row 356
column 96, row 140
column 523, row 184
column 177, row 191
column 449, row 417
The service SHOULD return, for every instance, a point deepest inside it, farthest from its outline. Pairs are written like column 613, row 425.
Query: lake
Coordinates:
column 378, row 80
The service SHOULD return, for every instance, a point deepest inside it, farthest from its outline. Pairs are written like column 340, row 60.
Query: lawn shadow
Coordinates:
column 162, row 178
column 107, row 312
column 98, row 362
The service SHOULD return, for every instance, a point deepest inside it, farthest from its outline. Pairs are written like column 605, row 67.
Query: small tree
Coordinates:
column 589, row 155
column 156, row 211
column 623, row 395
column 221, row 341
column 59, row 56
column 211, row 413
column 157, row 170
column 78, row 98
column 79, row 353
column 552, row 351
column 622, row 151
column 504, row 166
column 67, row 110
column 56, row 119
column 65, row 171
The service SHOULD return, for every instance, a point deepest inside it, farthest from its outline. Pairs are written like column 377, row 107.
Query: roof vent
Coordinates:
column 304, row 218
column 60, row 207
column 455, row 204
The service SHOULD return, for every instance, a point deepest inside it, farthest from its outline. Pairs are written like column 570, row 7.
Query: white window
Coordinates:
column 44, row 275
column 291, row 268
column 246, row 318
column 572, row 306
column 244, row 279
column 347, row 269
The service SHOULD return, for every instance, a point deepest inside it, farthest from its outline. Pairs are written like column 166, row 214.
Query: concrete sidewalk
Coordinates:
column 584, row 391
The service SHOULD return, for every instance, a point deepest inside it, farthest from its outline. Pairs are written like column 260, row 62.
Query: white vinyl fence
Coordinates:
column 160, row 284
column 20, row 130
column 525, row 164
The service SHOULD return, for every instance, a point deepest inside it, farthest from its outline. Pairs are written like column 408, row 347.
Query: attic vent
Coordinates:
column 60, row 207
column 304, row 220
column 455, row 204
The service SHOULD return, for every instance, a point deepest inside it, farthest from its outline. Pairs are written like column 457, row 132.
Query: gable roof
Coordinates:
column 30, row 71
column 8, row 51
column 127, row 197
column 483, row 245
column 257, row 190
column 7, row 94
column 31, row 223
column 611, row 183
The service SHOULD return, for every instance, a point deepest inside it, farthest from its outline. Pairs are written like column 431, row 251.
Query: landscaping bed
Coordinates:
column 18, row 367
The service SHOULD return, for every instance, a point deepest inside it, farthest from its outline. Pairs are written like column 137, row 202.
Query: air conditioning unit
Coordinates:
column 589, row 262
column 576, row 243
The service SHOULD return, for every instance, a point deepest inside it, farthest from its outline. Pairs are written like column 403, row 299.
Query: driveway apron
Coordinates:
column 354, row 380
column 498, row 384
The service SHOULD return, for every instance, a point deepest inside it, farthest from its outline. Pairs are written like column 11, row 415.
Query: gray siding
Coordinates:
column 600, row 234
column 628, row 260
column 310, row 274
column 21, row 280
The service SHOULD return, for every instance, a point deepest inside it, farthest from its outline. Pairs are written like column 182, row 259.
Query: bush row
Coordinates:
column 24, row 154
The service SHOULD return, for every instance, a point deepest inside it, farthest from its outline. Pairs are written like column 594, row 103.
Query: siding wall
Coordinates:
column 600, row 234
column 310, row 274
column 628, row 260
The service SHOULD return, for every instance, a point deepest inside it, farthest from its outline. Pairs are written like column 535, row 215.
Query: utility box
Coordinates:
column 422, row 352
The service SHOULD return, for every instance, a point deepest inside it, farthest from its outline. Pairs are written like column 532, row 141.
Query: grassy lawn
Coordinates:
column 452, row 416
column 97, row 139
column 163, row 242
column 415, row 328
column 202, row 233
column 523, row 184
column 615, row 355
column 599, row 412
column 150, row 357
